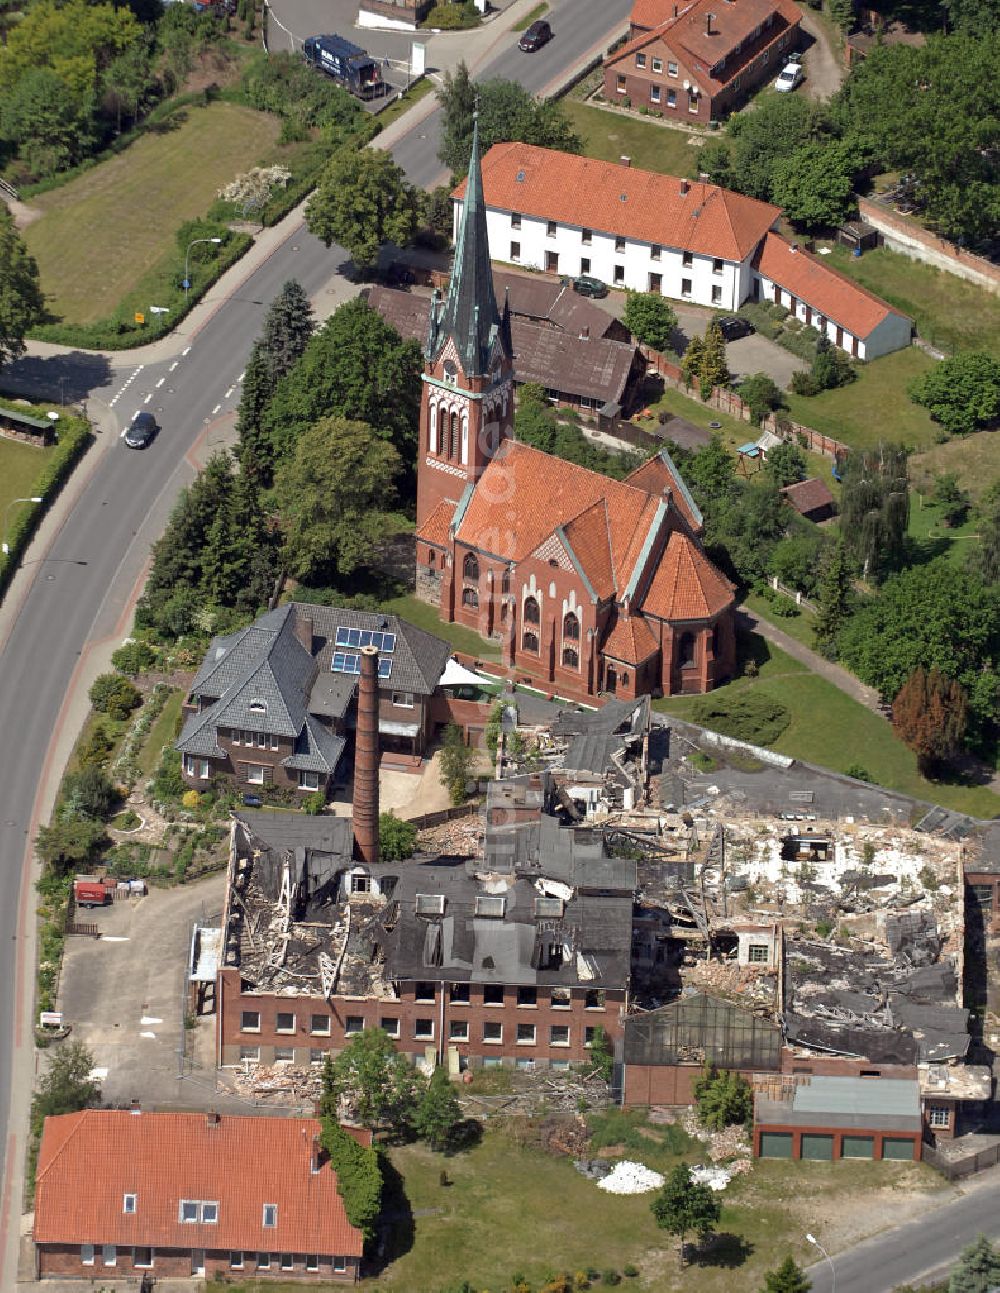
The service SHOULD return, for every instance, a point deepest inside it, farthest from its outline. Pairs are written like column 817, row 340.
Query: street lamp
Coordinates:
column 5, row 547
column 193, row 243
column 811, row 1239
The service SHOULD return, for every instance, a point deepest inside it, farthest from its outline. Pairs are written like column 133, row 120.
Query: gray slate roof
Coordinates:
column 317, row 749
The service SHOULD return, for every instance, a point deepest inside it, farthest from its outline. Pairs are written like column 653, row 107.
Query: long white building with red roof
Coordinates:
column 683, row 239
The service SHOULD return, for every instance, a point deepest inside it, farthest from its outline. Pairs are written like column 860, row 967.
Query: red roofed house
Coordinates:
column 698, row 61
column 653, row 233
column 120, row 1194
column 593, row 586
column 855, row 320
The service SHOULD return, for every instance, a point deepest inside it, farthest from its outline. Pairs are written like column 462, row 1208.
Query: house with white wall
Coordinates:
column 684, row 239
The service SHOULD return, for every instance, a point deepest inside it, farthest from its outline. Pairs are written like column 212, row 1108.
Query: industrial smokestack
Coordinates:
column 366, row 760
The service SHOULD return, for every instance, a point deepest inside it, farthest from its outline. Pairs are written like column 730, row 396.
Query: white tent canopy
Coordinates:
column 456, row 675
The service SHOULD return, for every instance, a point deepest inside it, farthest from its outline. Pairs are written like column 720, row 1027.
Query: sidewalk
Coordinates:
column 814, row 662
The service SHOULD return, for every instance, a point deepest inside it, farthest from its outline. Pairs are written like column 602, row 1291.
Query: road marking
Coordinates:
column 115, row 938
column 230, row 391
column 217, row 407
column 173, row 365
column 146, row 1020
column 186, row 352
column 160, row 382
column 148, row 398
column 152, row 1035
column 242, row 375
column 126, row 384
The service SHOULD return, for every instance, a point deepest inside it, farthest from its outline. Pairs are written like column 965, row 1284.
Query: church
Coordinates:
column 593, row 587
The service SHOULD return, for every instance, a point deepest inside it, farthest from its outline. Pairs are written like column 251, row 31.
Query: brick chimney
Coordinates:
column 304, row 629
column 684, row 188
column 625, row 160
column 366, row 760
column 708, row 24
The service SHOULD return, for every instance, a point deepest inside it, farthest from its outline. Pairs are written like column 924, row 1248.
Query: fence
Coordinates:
column 912, row 239
column 729, row 402
column 445, row 815
column 955, row 1170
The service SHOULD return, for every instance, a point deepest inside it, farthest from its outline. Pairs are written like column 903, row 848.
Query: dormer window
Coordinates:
column 258, row 707
column 450, row 372
column 129, row 1202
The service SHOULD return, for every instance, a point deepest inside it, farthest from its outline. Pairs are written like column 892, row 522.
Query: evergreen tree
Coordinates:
column 787, row 1278
column 984, row 559
column 287, row 328
column 691, row 359
column 683, row 1206
column 875, row 507
column 978, row 1269
column 833, row 599
column 259, row 383
column 930, row 714
column 438, row 1112
column 456, row 763
column 713, row 370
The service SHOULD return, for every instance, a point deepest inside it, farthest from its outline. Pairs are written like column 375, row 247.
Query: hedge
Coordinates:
column 75, row 438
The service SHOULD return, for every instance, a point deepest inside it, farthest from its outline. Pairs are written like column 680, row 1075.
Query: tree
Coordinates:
column 875, row 507
column 69, row 844
column 456, row 763
column 66, row 1086
column 962, row 393
column 22, row 303
column 815, row 184
column 833, row 599
column 359, row 1175
column 356, row 366
column 761, row 393
column 978, row 1268
column 786, row 1278
column 374, row 1080
column 507, row 111
column 756, row 143
column 712, row 371
column 650, row 319
column 797, row 560
column 602, row 1057
column 114, row 695
column 694, row 352
column 723, row 1097
column 710, row 471
column 362, row 201
column 397, row 839
column 90, row 793
column 438, row 1112
column 786, row 464
column 256, row 392
column 930, row 616
column 683, row 1206
column 130, row 81
column 930, row 715
column 984, row 559
column 951, row 499
column 288, row 326
column 335, row 497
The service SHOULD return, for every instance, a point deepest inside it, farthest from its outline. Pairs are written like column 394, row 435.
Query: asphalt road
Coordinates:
column 101, row 549
column 915, row 1252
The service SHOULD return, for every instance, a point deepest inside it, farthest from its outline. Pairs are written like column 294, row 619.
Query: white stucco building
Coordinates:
column 685, row 239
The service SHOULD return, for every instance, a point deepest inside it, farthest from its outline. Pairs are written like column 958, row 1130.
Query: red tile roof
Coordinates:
column 589, row 539
column 524, row 495
column 89, row 1161
column 706, row 53
column 436, row 528
column 627, row 202
column 685, row 585
column 658, row 476
column 631, row 640
column 829, row 292
column 808, row 495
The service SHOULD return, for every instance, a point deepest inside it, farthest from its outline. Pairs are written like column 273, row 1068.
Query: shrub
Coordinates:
column 133, row 657
column 858, row 771
column 630, row 1270
column 611, row 1278
column 167, row 780
column 191, row 799
column 90, row 793
column 747, row 716
column 397, row 839
column 315, row 803
column 96, row 749
column 359, row 1176
column 453, row 17
column 114, row 695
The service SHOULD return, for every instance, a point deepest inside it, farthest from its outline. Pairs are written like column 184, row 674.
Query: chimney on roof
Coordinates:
column 675, row 11
column 366, row 760
column 212, row 1118
column 708, row 24
column 685, row 185
column 793, row 246
column 625, row 160
column 304, row 629
column 585, row 332
column 135, row 1107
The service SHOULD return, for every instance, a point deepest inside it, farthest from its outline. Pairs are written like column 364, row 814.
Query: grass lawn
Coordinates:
column 798, row 626
column 651, row 146
column 539, row 11
column 829, row 728
column 974, row 459
column 426, row 617
column 874, row 407
column 934, row 538
column 948, row 311
column 20, row 466
column 126, row 210
column 162, row 733
column 514, row 1209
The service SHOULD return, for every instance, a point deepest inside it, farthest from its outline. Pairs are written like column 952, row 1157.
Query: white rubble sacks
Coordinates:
column 630, row 1178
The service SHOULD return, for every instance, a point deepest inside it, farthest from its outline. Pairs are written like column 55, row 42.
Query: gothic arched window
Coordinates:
column 470, row 567
column 685, row 650
column 571, row 627
column 529, row 641
column 532, row 615
column 570, row 657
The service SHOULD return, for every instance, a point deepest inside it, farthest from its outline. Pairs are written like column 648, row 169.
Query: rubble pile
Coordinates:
column 462, row 838
column 627, row 1177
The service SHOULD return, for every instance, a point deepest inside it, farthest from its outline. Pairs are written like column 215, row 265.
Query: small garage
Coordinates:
column 823, row 1119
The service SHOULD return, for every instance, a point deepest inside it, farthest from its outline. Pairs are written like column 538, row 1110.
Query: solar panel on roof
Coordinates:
column 345, row 662
column 388, row 643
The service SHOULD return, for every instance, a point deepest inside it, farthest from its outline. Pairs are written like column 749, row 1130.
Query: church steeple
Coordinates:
column 470, row 316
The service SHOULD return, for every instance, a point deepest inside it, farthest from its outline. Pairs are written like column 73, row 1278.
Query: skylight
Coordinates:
column 492, row 905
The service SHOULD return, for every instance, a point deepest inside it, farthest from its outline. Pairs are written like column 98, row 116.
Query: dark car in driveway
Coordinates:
column 537, row 35
column 588, row 286
column 734, row 326
column 141, row 431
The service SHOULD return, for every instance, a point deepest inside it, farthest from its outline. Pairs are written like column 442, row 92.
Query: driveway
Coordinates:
column 757, row 354
column 824, row 73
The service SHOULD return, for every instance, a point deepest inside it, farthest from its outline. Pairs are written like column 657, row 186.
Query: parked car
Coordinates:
column 734, row 326
column 790, row 77
column 141, row 431
column 588, row 286
column 537, row 35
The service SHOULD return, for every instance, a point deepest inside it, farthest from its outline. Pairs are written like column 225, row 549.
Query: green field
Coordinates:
column 652, row 147
column 160, row 735
column 102, row 232
column 949, row 312
column 874, row 407
column 426, row 617
column 829, row 728
column 974, row 459
column 20, row 467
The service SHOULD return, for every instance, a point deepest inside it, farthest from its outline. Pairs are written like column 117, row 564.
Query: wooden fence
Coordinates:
column 956, row 1169
column 444, row 815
